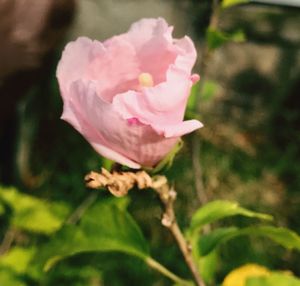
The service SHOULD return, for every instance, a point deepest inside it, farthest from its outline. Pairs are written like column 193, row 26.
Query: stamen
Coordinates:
column 145, row 79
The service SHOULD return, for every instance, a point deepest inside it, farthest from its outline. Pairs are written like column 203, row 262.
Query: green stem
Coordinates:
column 163, row 270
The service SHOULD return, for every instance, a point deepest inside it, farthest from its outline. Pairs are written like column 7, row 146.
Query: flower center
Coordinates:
column 145, row 79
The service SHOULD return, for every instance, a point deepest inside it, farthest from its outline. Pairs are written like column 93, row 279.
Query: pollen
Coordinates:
column 145, row 79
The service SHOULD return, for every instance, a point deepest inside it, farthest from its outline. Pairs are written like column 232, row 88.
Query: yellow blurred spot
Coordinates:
column 145, row 79
column 238, row 276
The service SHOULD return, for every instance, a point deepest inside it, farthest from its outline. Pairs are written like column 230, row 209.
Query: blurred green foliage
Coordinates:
column 277, row 279
column 215, row 38
column 106, row 227
column 228, row 3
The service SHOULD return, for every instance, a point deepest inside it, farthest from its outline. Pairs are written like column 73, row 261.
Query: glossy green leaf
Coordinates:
column 274, row 279
column 229, row 3
column 217, row 210
column 104, row 227
column 282, row 236
column 33, row 214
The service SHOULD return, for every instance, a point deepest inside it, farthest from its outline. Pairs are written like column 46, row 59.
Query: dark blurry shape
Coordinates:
column 29, row 32
column 199, row 14
column 30, row 29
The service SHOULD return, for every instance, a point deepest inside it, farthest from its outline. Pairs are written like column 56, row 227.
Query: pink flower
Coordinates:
column 127, row 95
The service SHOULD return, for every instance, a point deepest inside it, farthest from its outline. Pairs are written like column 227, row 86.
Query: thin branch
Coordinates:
column 8, row 240
column 167, row 196
column 119, row 183
column 80, row 210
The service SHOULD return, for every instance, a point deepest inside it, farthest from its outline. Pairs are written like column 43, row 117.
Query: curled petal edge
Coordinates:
column 177, row 130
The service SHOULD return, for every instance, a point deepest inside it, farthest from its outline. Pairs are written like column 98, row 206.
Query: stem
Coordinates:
column 167, row 197
column 8, row 240
column 77, row 214
column 199, row 186
column 160, row 268
column 186, row 248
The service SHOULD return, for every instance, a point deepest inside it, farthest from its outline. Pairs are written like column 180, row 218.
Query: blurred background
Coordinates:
column 248, row 151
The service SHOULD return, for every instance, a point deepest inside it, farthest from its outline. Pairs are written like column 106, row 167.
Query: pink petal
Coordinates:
column 161, row 104
column 186, row 54
column 179, row 129
column 76, row 112
column 153, row 43
column 111, row 135
column 143, row 30
column 157, row 50
column 112, row 65
column 114, row 156
column 115, row 69
column 72, row 65
column 195, row 77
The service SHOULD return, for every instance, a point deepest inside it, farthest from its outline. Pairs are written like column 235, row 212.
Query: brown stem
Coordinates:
column 8, row 240
column 119, row 183
column 167, row 196
column 79, row 211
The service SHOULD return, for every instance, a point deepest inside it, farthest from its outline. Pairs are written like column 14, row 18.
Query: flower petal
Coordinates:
column 153, row 43
column 72, row 65
column 76, row 112
column 143, row 30
column 179, row 129
column 161, row 104
column 187, row 54
column 111, row 135
column 115, row 69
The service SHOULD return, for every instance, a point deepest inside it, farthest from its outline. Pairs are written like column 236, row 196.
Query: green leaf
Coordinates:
column 276, row 278
column 17, row 259
column 208, row 267
column 104, row 227
column 216, row 38
column 209, row 242
column 208, row 90
column 167, row 161
column 282, row 236
column 2, row 209
column 216, row 210
column 33, row 214
column 107, row 164
column 229, row 3
column 237, row 36
column 8, row 278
